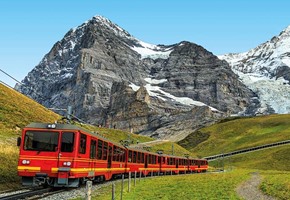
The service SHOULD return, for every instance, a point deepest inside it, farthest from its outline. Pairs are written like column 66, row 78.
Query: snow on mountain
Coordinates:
column 265, row 69
column 152, row 51
column 156, row 91
column 146, row 50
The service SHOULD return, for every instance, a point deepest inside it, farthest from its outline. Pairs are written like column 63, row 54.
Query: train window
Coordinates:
column 115, row 153
column 134, row 157
column 142, row 158
column 41, row 141
column 67, row 142
column 93, row 149
column 83, row 141
column 118, row 154
column 139, row 157
column 100, row 150
column 163, row 160
column 130, row 156
column 154, row 159
column 122, row 159
column 105, row 151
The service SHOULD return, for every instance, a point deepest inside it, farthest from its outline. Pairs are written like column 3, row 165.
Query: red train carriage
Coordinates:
column 175, row 164
column 198, row 165
column 142, row 161
column 63, row 155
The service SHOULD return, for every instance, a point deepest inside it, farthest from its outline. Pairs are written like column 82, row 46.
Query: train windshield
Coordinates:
column 41, row 141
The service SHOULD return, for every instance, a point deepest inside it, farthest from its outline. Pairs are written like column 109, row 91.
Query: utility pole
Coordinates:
column 69, row 113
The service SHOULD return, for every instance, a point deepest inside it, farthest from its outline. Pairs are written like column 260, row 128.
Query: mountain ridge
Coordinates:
column 266, row 70
column 93, row 66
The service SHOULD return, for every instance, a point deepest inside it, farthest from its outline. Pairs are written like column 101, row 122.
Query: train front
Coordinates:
column 46, row 155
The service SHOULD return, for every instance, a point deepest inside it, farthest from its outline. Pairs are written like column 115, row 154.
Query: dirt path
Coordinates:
column 249, row 190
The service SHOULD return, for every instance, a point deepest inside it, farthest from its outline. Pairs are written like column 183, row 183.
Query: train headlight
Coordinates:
column 25, row 162
column 51, row 126
column 67, row 163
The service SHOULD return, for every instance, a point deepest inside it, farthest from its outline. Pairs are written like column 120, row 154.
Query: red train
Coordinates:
column 63, row 155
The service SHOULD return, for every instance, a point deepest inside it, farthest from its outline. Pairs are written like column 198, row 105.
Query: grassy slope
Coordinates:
column 16, row 111
column 199, row 186
column 241, row 133
column 117, row 135
column 195, row 186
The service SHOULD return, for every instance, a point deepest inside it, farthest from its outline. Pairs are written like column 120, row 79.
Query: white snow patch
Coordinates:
column 151, row 51
column 134, row 87
column 272, row 92
column 155, row 91
column 155, row 81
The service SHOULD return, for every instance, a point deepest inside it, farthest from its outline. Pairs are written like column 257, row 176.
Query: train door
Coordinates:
column 65, row 157
column 160, row 160
column 93, row 156
column 110, row 156
column 146, row 161
column 67, row 143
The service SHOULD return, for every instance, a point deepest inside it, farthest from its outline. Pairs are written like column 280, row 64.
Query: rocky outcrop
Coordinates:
column 113, row 79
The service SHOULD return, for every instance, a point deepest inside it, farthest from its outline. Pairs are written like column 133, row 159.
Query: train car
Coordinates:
column 198, row 165
column 142, row 161
column 63, row 155
column 177, row 165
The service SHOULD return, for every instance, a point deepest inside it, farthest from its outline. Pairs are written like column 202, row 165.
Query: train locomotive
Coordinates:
column 65, row 155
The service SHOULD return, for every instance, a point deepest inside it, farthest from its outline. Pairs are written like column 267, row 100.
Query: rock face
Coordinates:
column 113, row 79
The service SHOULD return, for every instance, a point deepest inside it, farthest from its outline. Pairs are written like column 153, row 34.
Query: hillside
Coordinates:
column 240, row 133
column 17, row 110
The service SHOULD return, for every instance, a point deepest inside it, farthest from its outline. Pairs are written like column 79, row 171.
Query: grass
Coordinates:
column 118, row 135
column 8, row 169
column 277, row 158
column 240, row 133
column 195, row 186
column 17, row 110
column 166, row 148
column 199, row 186
column 276, row 184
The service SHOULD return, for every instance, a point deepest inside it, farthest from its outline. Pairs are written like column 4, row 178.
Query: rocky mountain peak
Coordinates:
column 266, row 70
column 113, row 79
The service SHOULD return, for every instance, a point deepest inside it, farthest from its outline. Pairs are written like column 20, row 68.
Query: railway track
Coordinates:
column 31, row 194
column 242, row 151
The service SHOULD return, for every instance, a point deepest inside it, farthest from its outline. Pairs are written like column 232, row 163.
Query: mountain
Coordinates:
column 266, row 70
column 112, row 79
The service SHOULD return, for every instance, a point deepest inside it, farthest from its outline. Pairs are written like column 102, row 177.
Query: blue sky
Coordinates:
column 29, row 28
